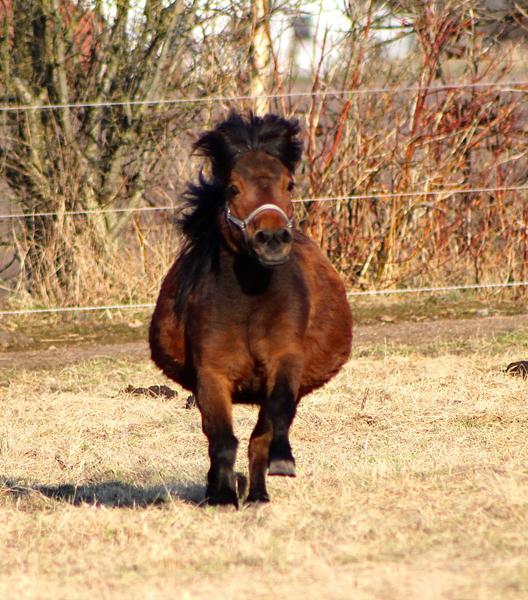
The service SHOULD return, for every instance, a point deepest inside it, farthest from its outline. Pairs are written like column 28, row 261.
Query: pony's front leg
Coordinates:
column 281, row 407
column 269, row 447
column 214, row 401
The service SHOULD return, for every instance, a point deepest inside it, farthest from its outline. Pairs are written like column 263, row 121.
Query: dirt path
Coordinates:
column 69, row 354
column 367, row 335
column 425, row 332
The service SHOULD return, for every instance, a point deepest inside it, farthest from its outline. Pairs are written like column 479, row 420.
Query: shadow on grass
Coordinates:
column 114, row 494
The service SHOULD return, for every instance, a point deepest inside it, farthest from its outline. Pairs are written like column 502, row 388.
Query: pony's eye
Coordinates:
column 233, row 190
column 291, row 185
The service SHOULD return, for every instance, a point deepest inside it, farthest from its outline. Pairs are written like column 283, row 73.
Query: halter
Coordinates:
column 243, row 223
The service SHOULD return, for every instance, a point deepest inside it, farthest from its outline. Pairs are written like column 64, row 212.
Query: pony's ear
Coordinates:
column 213, row 145
column 223, row 144
column 280, row 137
column 295, row 144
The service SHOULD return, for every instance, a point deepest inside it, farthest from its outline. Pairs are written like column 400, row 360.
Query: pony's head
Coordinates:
column 253, row 161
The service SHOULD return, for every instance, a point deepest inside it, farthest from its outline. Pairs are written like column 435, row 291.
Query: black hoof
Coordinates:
column 257, row 497
column 282, row 467
column 223, row 497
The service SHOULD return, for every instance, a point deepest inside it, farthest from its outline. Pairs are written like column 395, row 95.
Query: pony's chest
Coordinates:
column 243, row 332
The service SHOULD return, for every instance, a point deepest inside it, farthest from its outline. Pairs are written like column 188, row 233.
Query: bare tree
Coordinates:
column 95, row 154
column 261, row 53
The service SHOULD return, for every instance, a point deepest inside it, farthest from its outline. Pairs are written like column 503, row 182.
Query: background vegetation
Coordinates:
column 113, row 153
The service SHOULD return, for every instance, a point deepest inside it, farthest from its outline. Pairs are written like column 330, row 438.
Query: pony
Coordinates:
column 251, row 311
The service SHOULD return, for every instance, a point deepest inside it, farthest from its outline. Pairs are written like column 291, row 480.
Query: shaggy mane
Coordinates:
column 204, row 201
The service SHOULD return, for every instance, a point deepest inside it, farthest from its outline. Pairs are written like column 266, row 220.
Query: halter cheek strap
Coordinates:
column 243, row 223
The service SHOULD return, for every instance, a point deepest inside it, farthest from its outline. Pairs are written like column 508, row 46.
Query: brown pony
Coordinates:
column 251, row 311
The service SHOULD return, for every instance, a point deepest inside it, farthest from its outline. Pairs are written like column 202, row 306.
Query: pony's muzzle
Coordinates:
column 267, row 232
column 272, row 246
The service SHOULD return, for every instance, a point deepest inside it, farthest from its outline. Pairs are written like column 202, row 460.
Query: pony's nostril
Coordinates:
column 284, row 236
column 267, row 237
column 263, row 236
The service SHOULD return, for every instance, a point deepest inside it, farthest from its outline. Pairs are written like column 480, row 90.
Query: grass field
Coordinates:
column 412, row 483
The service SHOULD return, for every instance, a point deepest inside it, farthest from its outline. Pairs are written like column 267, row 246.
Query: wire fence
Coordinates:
column 505, row 86
column 351, row 294
column 510, row 86
column 374, row 196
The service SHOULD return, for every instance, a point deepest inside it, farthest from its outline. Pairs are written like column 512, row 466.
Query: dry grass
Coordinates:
column 412, row 483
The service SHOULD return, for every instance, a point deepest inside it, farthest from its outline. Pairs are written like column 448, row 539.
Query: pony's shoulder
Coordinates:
column 312, row 259
column 305, row 246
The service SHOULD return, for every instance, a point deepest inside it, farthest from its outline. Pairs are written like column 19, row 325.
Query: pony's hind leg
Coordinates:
column 258, row 453
column 214, row 402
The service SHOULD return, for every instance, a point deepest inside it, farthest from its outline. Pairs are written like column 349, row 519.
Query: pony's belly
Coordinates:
column 325, row 361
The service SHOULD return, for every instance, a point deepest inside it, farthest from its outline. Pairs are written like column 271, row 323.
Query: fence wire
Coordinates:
column 510, row 86
column 374, row 196
column 427, row 290
column 507, row 86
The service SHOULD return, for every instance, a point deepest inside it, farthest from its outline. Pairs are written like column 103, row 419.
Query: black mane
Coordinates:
column 204, row 201
column 236, row 135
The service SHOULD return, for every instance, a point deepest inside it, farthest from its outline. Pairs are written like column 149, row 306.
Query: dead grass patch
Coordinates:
column 412, row 483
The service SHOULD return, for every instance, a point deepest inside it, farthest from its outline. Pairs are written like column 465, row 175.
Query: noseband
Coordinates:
column 243, row 223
